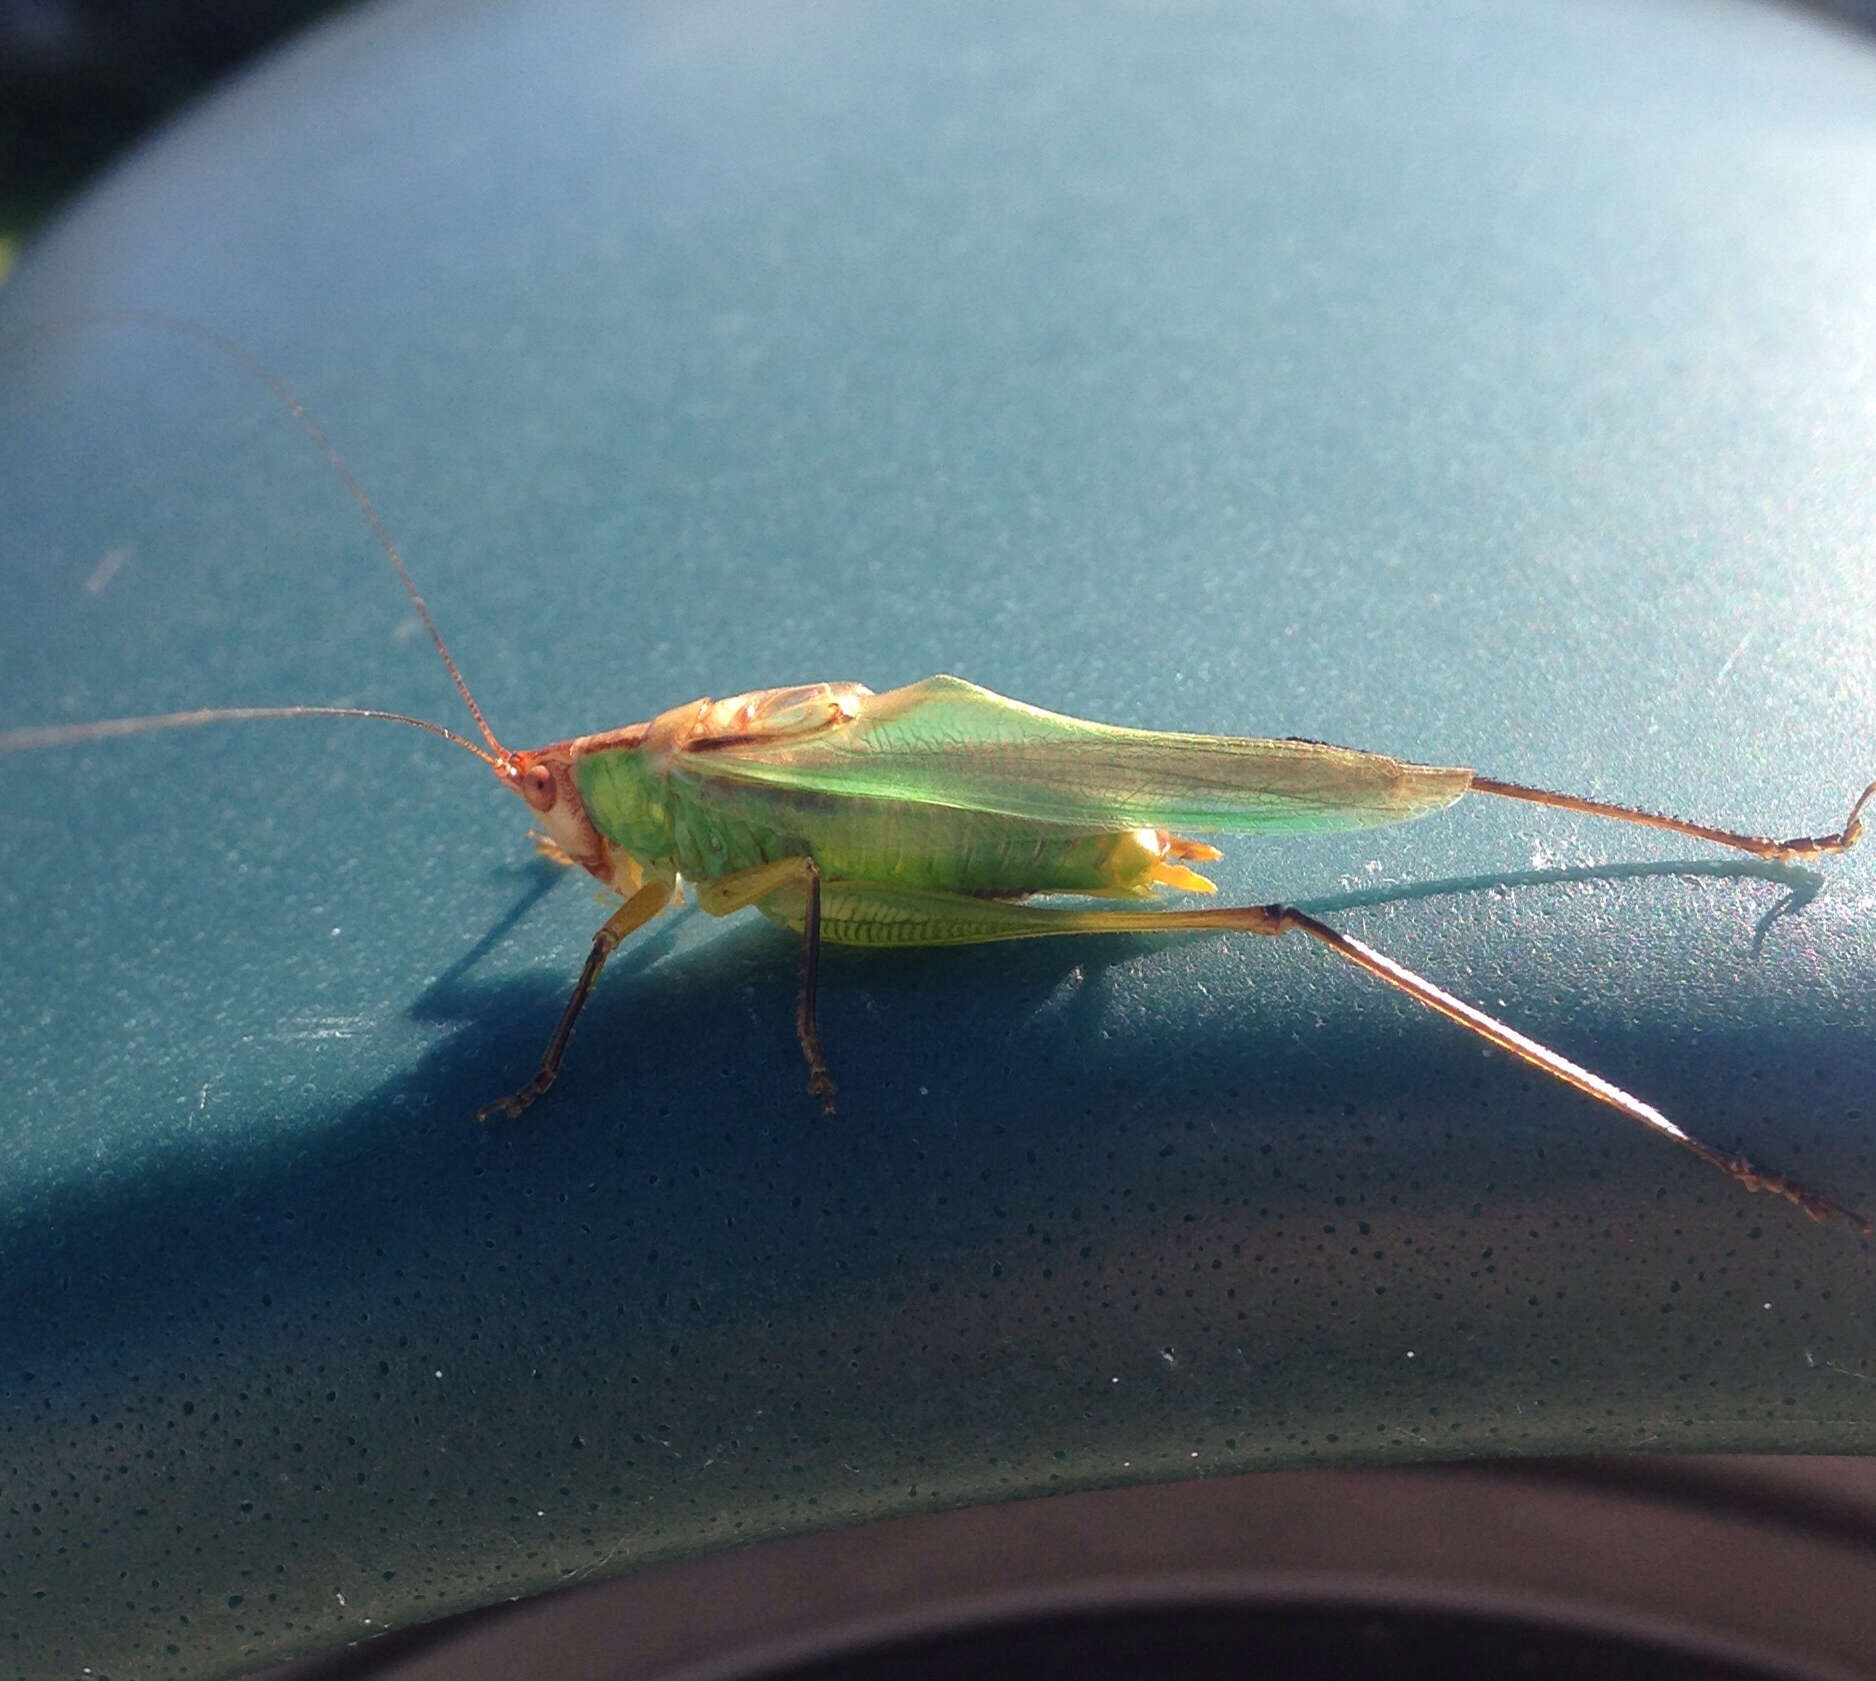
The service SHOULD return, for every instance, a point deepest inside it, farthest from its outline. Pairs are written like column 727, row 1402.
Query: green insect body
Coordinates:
column 945, row 787
column 943, row 814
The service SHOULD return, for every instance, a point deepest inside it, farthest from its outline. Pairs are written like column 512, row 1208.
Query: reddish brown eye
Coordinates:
column 537, row 787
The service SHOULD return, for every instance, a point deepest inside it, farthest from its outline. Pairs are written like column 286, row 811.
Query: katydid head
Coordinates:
column 545, row 780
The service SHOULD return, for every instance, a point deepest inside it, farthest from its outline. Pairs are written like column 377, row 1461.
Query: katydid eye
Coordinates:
column 537, row 787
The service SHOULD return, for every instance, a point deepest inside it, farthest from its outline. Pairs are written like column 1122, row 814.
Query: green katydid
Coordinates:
column 943, row 814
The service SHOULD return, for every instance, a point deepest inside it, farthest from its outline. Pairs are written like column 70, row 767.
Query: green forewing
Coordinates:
column 948, row 742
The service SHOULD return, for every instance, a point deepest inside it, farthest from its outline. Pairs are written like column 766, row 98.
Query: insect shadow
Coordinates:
column 1801, row 885
column 693, row 1150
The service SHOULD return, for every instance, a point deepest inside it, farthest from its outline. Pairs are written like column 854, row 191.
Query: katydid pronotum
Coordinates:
column 942, row 814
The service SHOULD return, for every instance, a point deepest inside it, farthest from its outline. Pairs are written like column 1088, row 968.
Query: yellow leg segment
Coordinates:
column 749, row 887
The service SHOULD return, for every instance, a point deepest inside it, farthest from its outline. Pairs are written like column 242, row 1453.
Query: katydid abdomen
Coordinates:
column 707, row 829
column 721, row 830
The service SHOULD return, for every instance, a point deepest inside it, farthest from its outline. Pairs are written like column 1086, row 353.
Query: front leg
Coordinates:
column 646, row 903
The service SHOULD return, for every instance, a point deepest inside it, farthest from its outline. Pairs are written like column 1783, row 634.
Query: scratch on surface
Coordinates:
column 1811, row 1359
column 325, row 1027
column 593, row 1565
column 98, row 579
column 1726, row 665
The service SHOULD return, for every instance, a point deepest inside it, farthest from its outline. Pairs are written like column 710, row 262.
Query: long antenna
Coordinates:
column 278, row 387
column 69, row 735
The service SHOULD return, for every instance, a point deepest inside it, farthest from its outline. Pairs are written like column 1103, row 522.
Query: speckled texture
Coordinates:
column 1490, row 389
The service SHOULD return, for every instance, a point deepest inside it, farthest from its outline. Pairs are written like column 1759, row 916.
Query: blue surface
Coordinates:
column 1490, row 387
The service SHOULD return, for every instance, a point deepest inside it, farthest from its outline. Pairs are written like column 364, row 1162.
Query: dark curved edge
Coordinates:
column 1746, row 1560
